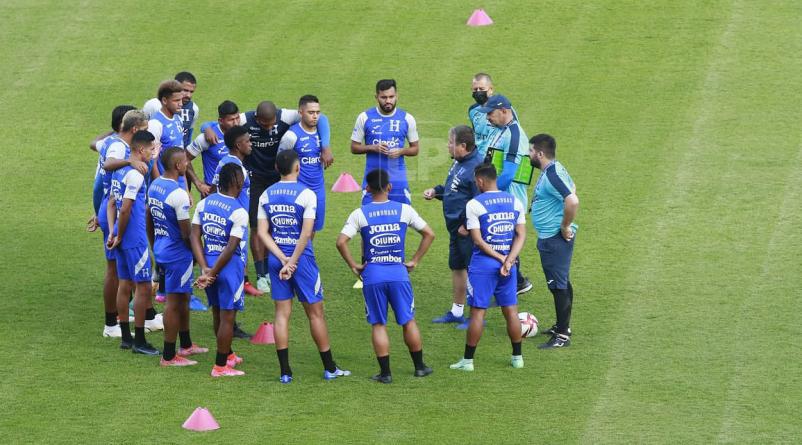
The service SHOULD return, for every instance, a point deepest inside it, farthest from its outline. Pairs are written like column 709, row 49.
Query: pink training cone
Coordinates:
column 345, row 183
column 201, row 420
column 264, row 335
column 479, row 18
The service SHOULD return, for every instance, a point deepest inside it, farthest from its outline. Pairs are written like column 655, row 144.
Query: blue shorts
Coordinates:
column 398, row 194
column 304, row 283
column 397, row 293
column 177, row 276
column 555, row 257
column 227, row 292
column 483, row 286
column 133, row 264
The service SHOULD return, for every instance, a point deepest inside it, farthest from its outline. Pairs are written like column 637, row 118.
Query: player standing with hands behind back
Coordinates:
column 383, row 227
column 222, row 223
column 497, row 222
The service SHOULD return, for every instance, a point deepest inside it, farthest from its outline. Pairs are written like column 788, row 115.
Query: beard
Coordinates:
column 388, row 107
column 535, row 163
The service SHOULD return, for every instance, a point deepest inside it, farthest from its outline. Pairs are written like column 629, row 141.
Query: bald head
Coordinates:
column 266, row 110
column 483, row 77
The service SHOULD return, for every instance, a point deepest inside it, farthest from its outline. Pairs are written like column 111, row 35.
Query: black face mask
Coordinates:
column 480, row 97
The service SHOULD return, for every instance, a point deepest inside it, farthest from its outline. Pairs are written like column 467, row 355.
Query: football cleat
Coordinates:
column 157, row 324
column 556, row 341
column 195, row 304
column 263, row 283
column 553, row 330
column 285, row 379
column 112, row 331
column 233, row 360
column 449, row 318
column 337, row 373
column 382, row 378
column 224, row 371
column 526, row 286
column 463, row 365
column 145, row 349
column 517, row 361
column 252, row 291
column 239, row 333
column 192, row 350
column 178, row 360
column 423, row 372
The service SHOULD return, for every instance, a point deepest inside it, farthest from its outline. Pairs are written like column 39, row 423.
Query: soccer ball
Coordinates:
column 528, row 324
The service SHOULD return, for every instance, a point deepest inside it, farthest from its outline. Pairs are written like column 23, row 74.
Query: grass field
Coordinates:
column 680, row 121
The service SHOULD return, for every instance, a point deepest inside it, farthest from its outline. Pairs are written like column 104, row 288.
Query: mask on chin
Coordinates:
column 480, row 97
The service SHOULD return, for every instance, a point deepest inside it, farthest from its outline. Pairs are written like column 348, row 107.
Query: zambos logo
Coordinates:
column 387, row 239
column 500, row 228
column 157, row 213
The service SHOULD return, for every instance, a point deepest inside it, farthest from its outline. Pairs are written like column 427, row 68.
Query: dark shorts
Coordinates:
column 460, row 250
column 258, row 186
column 555, row 257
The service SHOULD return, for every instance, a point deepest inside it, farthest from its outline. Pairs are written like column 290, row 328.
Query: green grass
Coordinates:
column 679, row 121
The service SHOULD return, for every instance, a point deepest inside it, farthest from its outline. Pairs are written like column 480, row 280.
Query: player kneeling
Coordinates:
column 168, row 230
column 218, row 227
column 286, row 218
column 383, row 225
column 497, row 223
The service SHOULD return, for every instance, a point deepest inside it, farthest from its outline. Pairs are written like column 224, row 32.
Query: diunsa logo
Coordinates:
column 387, row 239
column 213, row 229
column 500, row 228
column 283, row 220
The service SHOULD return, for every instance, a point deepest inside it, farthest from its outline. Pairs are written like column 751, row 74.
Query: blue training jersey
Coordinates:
column 383, row 227
column 285, row 205
column 221, row 217
column 307, row 146
column 244, row 195
column 127, row 183
column 495, row 214
column 210, row 154
column 187, row 113
column 168, row 204
column 373, row 127
column 548, row 203
column 169, row 132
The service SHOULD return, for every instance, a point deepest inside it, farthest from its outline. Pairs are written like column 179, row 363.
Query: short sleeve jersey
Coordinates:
column 285, row 205
column 127, row 183
column 168, row 204
column 210, row 154
column 383, row 227
column 307, row 146
column 373, row 127
column 244, row 195
column 220, row 217
column 548, row 204
column 262, row 160
column 495, row 214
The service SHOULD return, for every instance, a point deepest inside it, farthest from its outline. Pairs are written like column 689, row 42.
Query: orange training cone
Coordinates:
column 263, row 335
column 201, row 420
column 345, row 183
column 479, row 18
